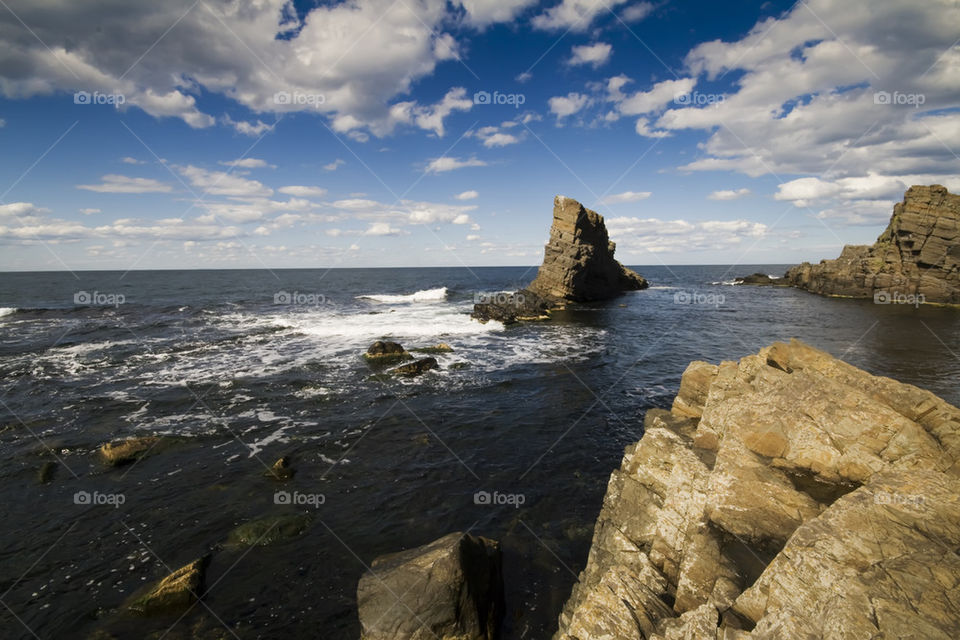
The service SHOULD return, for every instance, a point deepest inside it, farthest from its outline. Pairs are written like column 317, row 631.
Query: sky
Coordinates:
column 385, row 133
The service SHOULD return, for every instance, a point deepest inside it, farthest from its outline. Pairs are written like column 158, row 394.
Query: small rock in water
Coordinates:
column 46, row 471
column 266, row 531
column 174, row 593
column 386, row 352
column 416, row 367
column 441, row 347
column 124, row 451
column 281, row 469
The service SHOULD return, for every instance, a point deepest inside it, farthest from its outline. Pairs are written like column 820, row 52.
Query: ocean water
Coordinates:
column 242, row 367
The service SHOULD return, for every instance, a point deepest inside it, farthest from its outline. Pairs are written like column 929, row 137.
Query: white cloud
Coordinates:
column 668, row 236
column 563, row 106
column 484, row 12
column 575, row 15
column 644, row 102
column 626, row 196
column 252, row 129
column 248, row 163
column 447, row 163
column 643, row 128
column 526, row 76
column 88, row 212
column 130, row 160
column 637, row 12
column 595, row 55
column 467, row 195
column 333, row 166
column 430, row 213
column 221, row 183
column 381, row 229
column 113, row 183
column 303, row 191
column 3, row 123
column 729, row 194
column 493, row 137
column 431, row 118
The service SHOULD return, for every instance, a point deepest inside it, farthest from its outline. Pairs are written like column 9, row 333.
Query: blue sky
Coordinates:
column 216, row 134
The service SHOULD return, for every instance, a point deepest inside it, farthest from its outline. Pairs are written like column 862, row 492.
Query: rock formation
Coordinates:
column 917, row 258
column 174, row 593
column 386, row 352
column 450, row 589
column 761, row 280
column 787, row 495
column 578, row 266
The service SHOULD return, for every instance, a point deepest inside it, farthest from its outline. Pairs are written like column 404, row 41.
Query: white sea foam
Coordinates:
column 426, row 295
column 7, row 311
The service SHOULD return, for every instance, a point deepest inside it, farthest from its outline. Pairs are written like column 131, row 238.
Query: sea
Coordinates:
column 513, row 437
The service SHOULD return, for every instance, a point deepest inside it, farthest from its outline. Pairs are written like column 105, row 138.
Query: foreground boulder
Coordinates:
column 386, row 352
column 175, row 593
column 450, row 589
column 787, row 495
column 916, row 260
column 578, row 266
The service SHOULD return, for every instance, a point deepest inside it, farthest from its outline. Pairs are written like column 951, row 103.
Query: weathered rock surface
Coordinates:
column 266, row 531
column 386, row 352
column 125, row 451
column 174, row 593
column 416, row 367
column 761, row 279
column 787, row 495
column 917, row 255
column 450, row 589
column 281, row 469
column 578, row 266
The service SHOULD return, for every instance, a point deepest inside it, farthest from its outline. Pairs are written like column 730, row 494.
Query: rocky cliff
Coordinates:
column 916, row 258
column 787, row 495
column 578, row 266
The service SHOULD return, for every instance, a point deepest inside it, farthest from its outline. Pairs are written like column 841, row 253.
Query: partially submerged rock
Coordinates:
column 787, row 495
column 578, row 266
column 761, row 279
column 281, row 469
column 386, row 352
column 451, row 589
column 267, row 531
column 416, row 367
column 122, row 452
column 916, row 260
column 46, row 471
column 441, row 347
column 175, row 593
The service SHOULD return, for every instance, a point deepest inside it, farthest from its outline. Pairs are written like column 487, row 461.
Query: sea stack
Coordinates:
column 918, row 256
column 578, row 266
column 787, row 495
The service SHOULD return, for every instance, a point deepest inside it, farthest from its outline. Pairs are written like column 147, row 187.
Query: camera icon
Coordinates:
column 81, row 97
column 882, row 297
column 481, row 97
column 281, row 97
column 282, row 497
column 482, row 497
column 682, row 297
column 881, row 97
column 82, row 497
column 282, row 297
column 82, row 297
column 682, row 98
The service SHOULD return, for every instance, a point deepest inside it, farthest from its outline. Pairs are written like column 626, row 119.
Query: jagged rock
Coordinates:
column 787, row 495
column 761, row 279
column 578, row 266
column 174, row 593
column 385, row 352
column 441, row 347
column 281, row 469
column 915, row 260
column 125, row 451
column 416, row 367
column 450, row 589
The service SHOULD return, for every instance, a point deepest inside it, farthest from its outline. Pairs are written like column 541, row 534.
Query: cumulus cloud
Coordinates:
column 303, row 191
column 447, row 163
column 467, row 195
column 564, row 106
column 333, row 166
column 493, row 136
column 248, row 163
column 89, row 211
column 222, row 183
column 729, row 194
column 113, row 183
column 481, row 13
column 131, row 160
column 381, row 229
column 626, row 196
column 575, row 15
column 668, row 236
column 637, row 12
column 595, row 55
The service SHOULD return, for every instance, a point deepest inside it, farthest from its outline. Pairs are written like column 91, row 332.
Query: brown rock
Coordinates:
column 174, row 593
column 915, row 260
column 125, row 451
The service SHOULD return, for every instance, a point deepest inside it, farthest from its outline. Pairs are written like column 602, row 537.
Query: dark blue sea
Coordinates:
column 242, row 367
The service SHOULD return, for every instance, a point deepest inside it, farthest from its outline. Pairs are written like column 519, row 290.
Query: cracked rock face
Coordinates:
column 917, row 255
column 787, row 495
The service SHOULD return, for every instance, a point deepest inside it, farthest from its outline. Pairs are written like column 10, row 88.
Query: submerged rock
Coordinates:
column 451, row 589
column 125, row 451
column 441, row 347
column 787, row 495
column 174, row 593
column 281, row 469
column 386, row 352
column 416, row 367
column 916, row 260
column 578, row 266
column 267, row 531
column 46, row 471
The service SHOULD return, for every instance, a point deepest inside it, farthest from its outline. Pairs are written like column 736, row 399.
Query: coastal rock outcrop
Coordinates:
column 449, row 589
column 578, row 266
column 917, row 257
column 787, row 495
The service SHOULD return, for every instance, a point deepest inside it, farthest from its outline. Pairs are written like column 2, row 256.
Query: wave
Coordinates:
column 426, row 295
column 7, row 311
